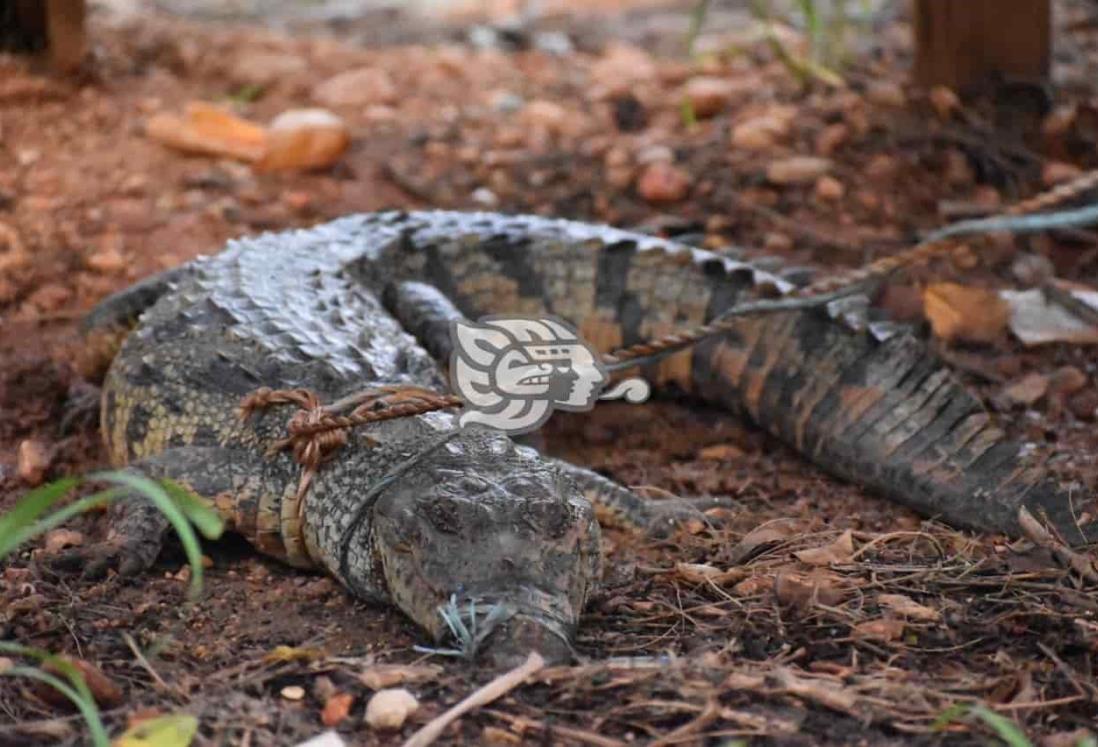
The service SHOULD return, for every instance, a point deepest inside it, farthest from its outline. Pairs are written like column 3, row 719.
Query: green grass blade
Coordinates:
column 160, row 498
column 23, row 534
column 204, row 518
column 78, row 693
column 29, row 508
column 1004, row 728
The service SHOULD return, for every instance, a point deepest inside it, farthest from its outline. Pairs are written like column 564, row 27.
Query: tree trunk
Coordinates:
column 965, row 43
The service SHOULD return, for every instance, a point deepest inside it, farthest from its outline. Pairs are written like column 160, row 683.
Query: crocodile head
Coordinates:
column 486, row 543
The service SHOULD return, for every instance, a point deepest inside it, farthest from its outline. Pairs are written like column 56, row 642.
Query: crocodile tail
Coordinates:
column 886, row 415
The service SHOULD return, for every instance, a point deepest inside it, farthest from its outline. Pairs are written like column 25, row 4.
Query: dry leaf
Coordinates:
column 905, row 606
column 749, row 587
column 106, row 692
column 720, row 453
column 699, row 573
column 382, row 676
column 883, row 629
column 281, row 654
column 805, row 590
column 1036, row 321
column 769, row 533
column 827, row 693
column 839, row 551
column 336, row 709
column 965, row 314
column 1027, row 390
column 206, row 129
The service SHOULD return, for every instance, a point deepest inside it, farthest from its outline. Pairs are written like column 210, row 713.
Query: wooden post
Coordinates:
column 65, row 29
column 964, row 43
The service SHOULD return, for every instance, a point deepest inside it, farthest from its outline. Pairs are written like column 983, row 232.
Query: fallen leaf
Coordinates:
column 60, row 539
column 798, row 170
column 699, row 573
column 907, row 607
column 176, row 730
column 1027, row 390
column 805, row 590
column 720, row 453
column 207, row 129
column 827, row 693
column 389, row 709
column 336, row 709
column 960, row 313
column 1036, row 321
column 754, row 541
column 752, row 586
column 883, row 629
column 281, row 654
column 839, row 551
column 105, row 691
column 381, row 676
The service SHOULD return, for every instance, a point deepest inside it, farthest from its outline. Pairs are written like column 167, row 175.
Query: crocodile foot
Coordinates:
column 132, row 545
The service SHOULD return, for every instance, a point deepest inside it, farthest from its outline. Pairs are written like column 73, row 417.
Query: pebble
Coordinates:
column 359, row 87
column 293, row 692
column 797, row 170
column 709, row 95
column 829, row 189
column 881, row 168
column 546, row 115
column 1084, row 405
column 661, row 182
column 389, row 709
column 61, row 539
column 484, row 197
column 1027, row 390
column 620, row 69
column 1066, row 380
column 830, row 138
column 763, row 132
column 304, row 139
column 33, row 461
column 886, row 93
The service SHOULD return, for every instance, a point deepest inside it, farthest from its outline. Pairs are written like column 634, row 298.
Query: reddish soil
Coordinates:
column 730, row 632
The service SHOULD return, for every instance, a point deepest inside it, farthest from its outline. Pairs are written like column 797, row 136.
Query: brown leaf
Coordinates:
column 1028, row 389
column 966, row 314
column 720, row 453
column 336, row 709
column 700, row 573
column 839, row 551
column 907, row 607
column 804, row 590
column 106, row 693
column 60, row 539
column 827, row 693
column 749, row 587
column 770, row 533
column 207, row 129
column 882, row 629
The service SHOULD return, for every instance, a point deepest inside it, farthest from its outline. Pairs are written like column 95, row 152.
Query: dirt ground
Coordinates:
column 774, row 626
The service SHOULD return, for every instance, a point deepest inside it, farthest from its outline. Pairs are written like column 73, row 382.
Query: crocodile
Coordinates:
column 419, row 513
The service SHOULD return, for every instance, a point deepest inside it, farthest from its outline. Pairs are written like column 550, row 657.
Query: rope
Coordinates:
column 1017, row 218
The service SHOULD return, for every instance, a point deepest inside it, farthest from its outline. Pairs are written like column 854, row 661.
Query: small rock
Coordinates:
column 654, row 154
column 506, row 102
column 545, row 115
column 958, row 170
column 620, row 69
column 830, row 138
column 107, row 261
column 304, row 139
column 797, row 170
column 389, row 709
column 1032, row 270
column 829, row 189
column 763, row 132
column 661, row 182
column 886, row 93
column 363, row 86
column 33, row 461
column 61, row 539
column 293, row 692
column 1065, row 381
column 1027, row 390
column 709, row 95
column 944, row 101
column 777, row 243
column 1056, row 172
column 485, row 197
column 881, row 168
column 50, row 297
column 1084, row 405
column 263, row 68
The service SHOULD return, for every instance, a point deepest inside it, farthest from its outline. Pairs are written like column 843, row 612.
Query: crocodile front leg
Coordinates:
column 231, row 480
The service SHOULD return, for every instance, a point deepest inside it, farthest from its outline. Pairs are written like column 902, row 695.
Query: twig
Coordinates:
column 497, row 688
column 708, row 715
column 1042, row 537
column 157, row 679
column 568, row 732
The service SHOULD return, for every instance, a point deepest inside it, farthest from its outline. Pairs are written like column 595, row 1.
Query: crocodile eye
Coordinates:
column 525, row 487
column 550, row 517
